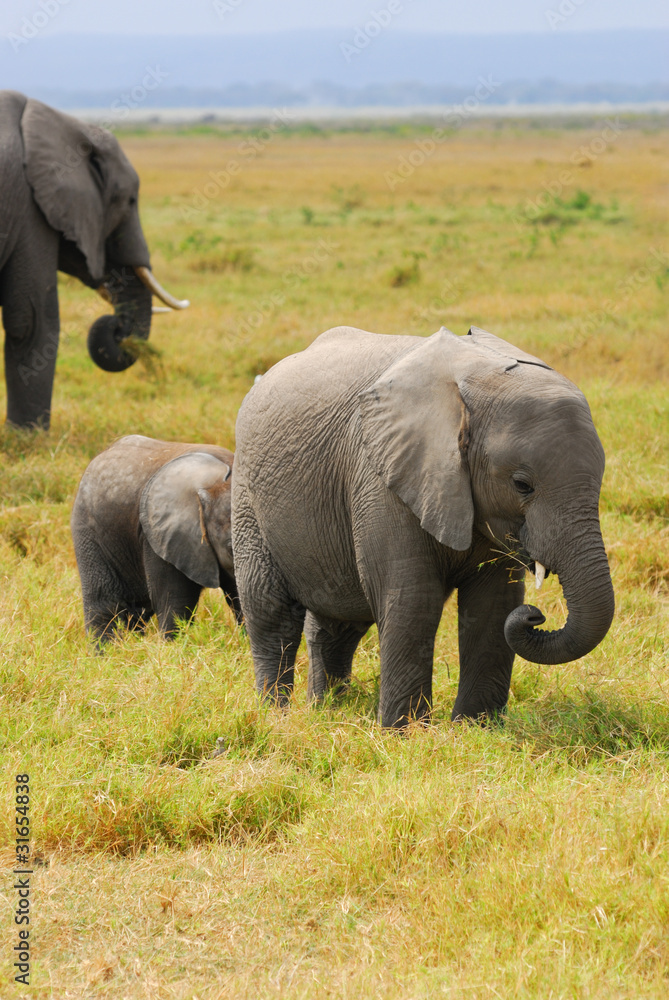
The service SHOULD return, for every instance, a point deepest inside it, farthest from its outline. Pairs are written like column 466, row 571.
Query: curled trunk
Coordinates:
column 132, row 318
column 586, row 582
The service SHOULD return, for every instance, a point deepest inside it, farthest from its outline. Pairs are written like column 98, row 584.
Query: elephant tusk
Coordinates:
column 539, row 574
column 145, row 275
column 160, row 309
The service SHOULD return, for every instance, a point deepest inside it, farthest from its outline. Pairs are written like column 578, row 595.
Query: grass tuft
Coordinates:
column 590, row 726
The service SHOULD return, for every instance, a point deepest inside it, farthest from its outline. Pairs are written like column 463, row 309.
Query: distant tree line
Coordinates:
column 407, row 94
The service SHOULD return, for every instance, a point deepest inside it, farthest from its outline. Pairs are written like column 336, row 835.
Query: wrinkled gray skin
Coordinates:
column 376, row 474
column 68, row 202
column 151, row 528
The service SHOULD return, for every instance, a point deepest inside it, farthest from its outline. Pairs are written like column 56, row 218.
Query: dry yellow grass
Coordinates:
column 319, row 856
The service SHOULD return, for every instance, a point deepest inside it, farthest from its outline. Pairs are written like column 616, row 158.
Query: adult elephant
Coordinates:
column 68, row 202
column 376, row 474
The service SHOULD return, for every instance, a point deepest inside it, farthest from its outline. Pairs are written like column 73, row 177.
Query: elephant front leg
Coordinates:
column 173, row 595
column 485, row 600
column 406, row 641
column 32, row 327
column 331, row 646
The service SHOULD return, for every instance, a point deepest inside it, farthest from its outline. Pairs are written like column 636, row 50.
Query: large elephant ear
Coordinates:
column 73, row 169
column 171, row 515
column 415, row 431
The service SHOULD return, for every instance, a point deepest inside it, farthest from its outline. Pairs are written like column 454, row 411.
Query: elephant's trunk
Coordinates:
column 132, row 318
column 586, row 582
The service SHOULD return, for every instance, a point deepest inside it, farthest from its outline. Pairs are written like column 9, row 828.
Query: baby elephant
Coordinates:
column 151, row 528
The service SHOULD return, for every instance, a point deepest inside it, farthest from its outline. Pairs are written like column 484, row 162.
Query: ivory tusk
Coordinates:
column 145, row 275
column 539, row 574
column 160, row 309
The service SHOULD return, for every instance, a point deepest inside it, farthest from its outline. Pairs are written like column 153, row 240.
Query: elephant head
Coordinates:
column 479, row 438
column 88, row 192
column 184, row 512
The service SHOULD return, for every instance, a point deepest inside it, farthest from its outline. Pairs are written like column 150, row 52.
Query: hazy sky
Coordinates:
column 179, row 17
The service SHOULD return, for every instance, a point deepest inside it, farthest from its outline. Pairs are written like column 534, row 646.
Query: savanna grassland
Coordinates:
column 320, row 856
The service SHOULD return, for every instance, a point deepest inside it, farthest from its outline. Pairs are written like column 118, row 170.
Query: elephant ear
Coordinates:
column 171, row 514
column 76, row 172
column 415, row 431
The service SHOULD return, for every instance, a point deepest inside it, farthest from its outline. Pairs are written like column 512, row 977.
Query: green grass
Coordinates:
column 319, row 856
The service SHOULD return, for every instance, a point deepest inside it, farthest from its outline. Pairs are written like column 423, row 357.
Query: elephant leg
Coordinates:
column 29, row 295
column 138, row 617
column 107, row 607
column 103, row 620
column 274, row 620
column 173, row 595
column 401, row 570
column 406, row 644
column 331, row 646
column 485, row 600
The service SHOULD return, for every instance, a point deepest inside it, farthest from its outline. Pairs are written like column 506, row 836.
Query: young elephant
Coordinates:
column 376, row 474
column 151, row 528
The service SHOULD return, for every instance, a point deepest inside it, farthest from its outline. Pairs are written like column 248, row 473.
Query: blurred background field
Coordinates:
column 320, row 856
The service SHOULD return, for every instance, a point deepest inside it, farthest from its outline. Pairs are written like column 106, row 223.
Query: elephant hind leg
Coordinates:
column 274, row 622
column 104, row 617
column 274, row 619
column 331, row 646
column 109, row 601
column 104, row 622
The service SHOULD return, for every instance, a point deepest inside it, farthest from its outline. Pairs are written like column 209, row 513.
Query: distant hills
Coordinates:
column 338, row 69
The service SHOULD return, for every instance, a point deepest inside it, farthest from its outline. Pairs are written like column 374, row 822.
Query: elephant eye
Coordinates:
column 522, row 486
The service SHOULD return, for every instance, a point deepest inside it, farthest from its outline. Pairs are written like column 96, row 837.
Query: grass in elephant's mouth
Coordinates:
column 149, row 357
column 320, row 856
